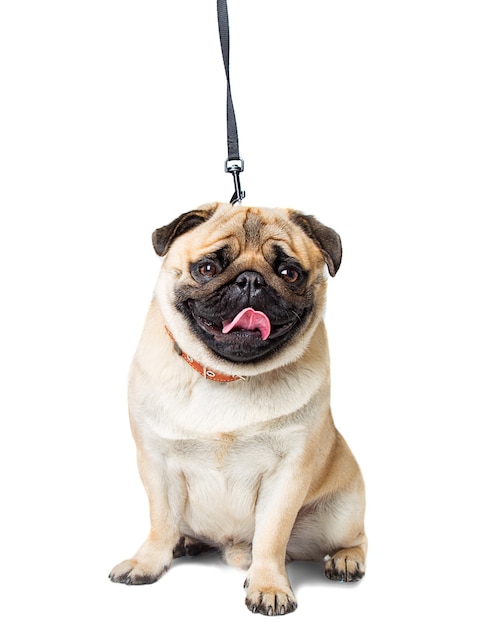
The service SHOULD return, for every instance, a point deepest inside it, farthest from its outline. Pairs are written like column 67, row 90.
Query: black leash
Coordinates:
column 234, row 164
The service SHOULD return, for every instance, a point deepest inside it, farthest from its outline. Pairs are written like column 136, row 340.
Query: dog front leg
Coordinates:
column 155, row 555
column 279, row 500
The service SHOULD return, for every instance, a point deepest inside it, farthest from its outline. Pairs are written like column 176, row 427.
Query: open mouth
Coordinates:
column 248, row 324
column 247, row 336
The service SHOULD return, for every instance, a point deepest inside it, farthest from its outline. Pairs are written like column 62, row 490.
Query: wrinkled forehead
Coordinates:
column 252, row 230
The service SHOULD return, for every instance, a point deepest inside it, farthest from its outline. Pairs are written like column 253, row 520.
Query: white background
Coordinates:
column 112, row 121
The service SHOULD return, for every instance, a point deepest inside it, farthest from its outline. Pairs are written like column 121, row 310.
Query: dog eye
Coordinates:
column 289, row 269
column 290, row 275
column 205, row 269
column 208, row 270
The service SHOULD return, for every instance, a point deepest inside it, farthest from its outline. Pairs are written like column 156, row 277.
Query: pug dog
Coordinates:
column 229, row 400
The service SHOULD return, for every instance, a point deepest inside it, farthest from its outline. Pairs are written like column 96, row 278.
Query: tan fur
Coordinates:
column 256, row 467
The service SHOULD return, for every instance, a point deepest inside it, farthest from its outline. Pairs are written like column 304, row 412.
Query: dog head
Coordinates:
column 244, row 288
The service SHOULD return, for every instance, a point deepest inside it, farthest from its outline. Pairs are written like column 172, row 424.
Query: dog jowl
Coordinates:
column 229, row 398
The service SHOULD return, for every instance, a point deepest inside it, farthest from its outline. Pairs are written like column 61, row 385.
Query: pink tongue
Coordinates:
column 249, row 319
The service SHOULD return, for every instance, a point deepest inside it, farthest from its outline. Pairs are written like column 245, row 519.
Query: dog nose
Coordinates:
column 251, row 282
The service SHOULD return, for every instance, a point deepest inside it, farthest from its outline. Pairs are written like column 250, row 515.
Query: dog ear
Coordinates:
column 328, row 240
column 163, row 237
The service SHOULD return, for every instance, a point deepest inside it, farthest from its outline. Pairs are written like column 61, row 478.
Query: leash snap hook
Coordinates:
column 235, row 167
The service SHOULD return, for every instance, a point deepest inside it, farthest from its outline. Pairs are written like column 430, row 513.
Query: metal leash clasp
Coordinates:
column 235, row 167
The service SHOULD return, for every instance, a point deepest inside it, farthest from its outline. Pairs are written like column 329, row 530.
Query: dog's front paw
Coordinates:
column 150, row 562
column 345, row 565
column 132, row 572
column 270, row 599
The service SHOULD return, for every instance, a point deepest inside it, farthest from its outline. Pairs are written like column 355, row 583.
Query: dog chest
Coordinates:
column 214, row 482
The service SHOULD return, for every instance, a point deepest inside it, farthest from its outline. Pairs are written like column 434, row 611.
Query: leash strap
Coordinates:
column 234, row 164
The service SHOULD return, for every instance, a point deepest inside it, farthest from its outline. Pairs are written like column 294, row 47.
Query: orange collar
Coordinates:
column 201, row 369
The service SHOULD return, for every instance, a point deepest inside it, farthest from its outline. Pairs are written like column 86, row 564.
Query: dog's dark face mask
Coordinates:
column 249, row 297
column 238, row 313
